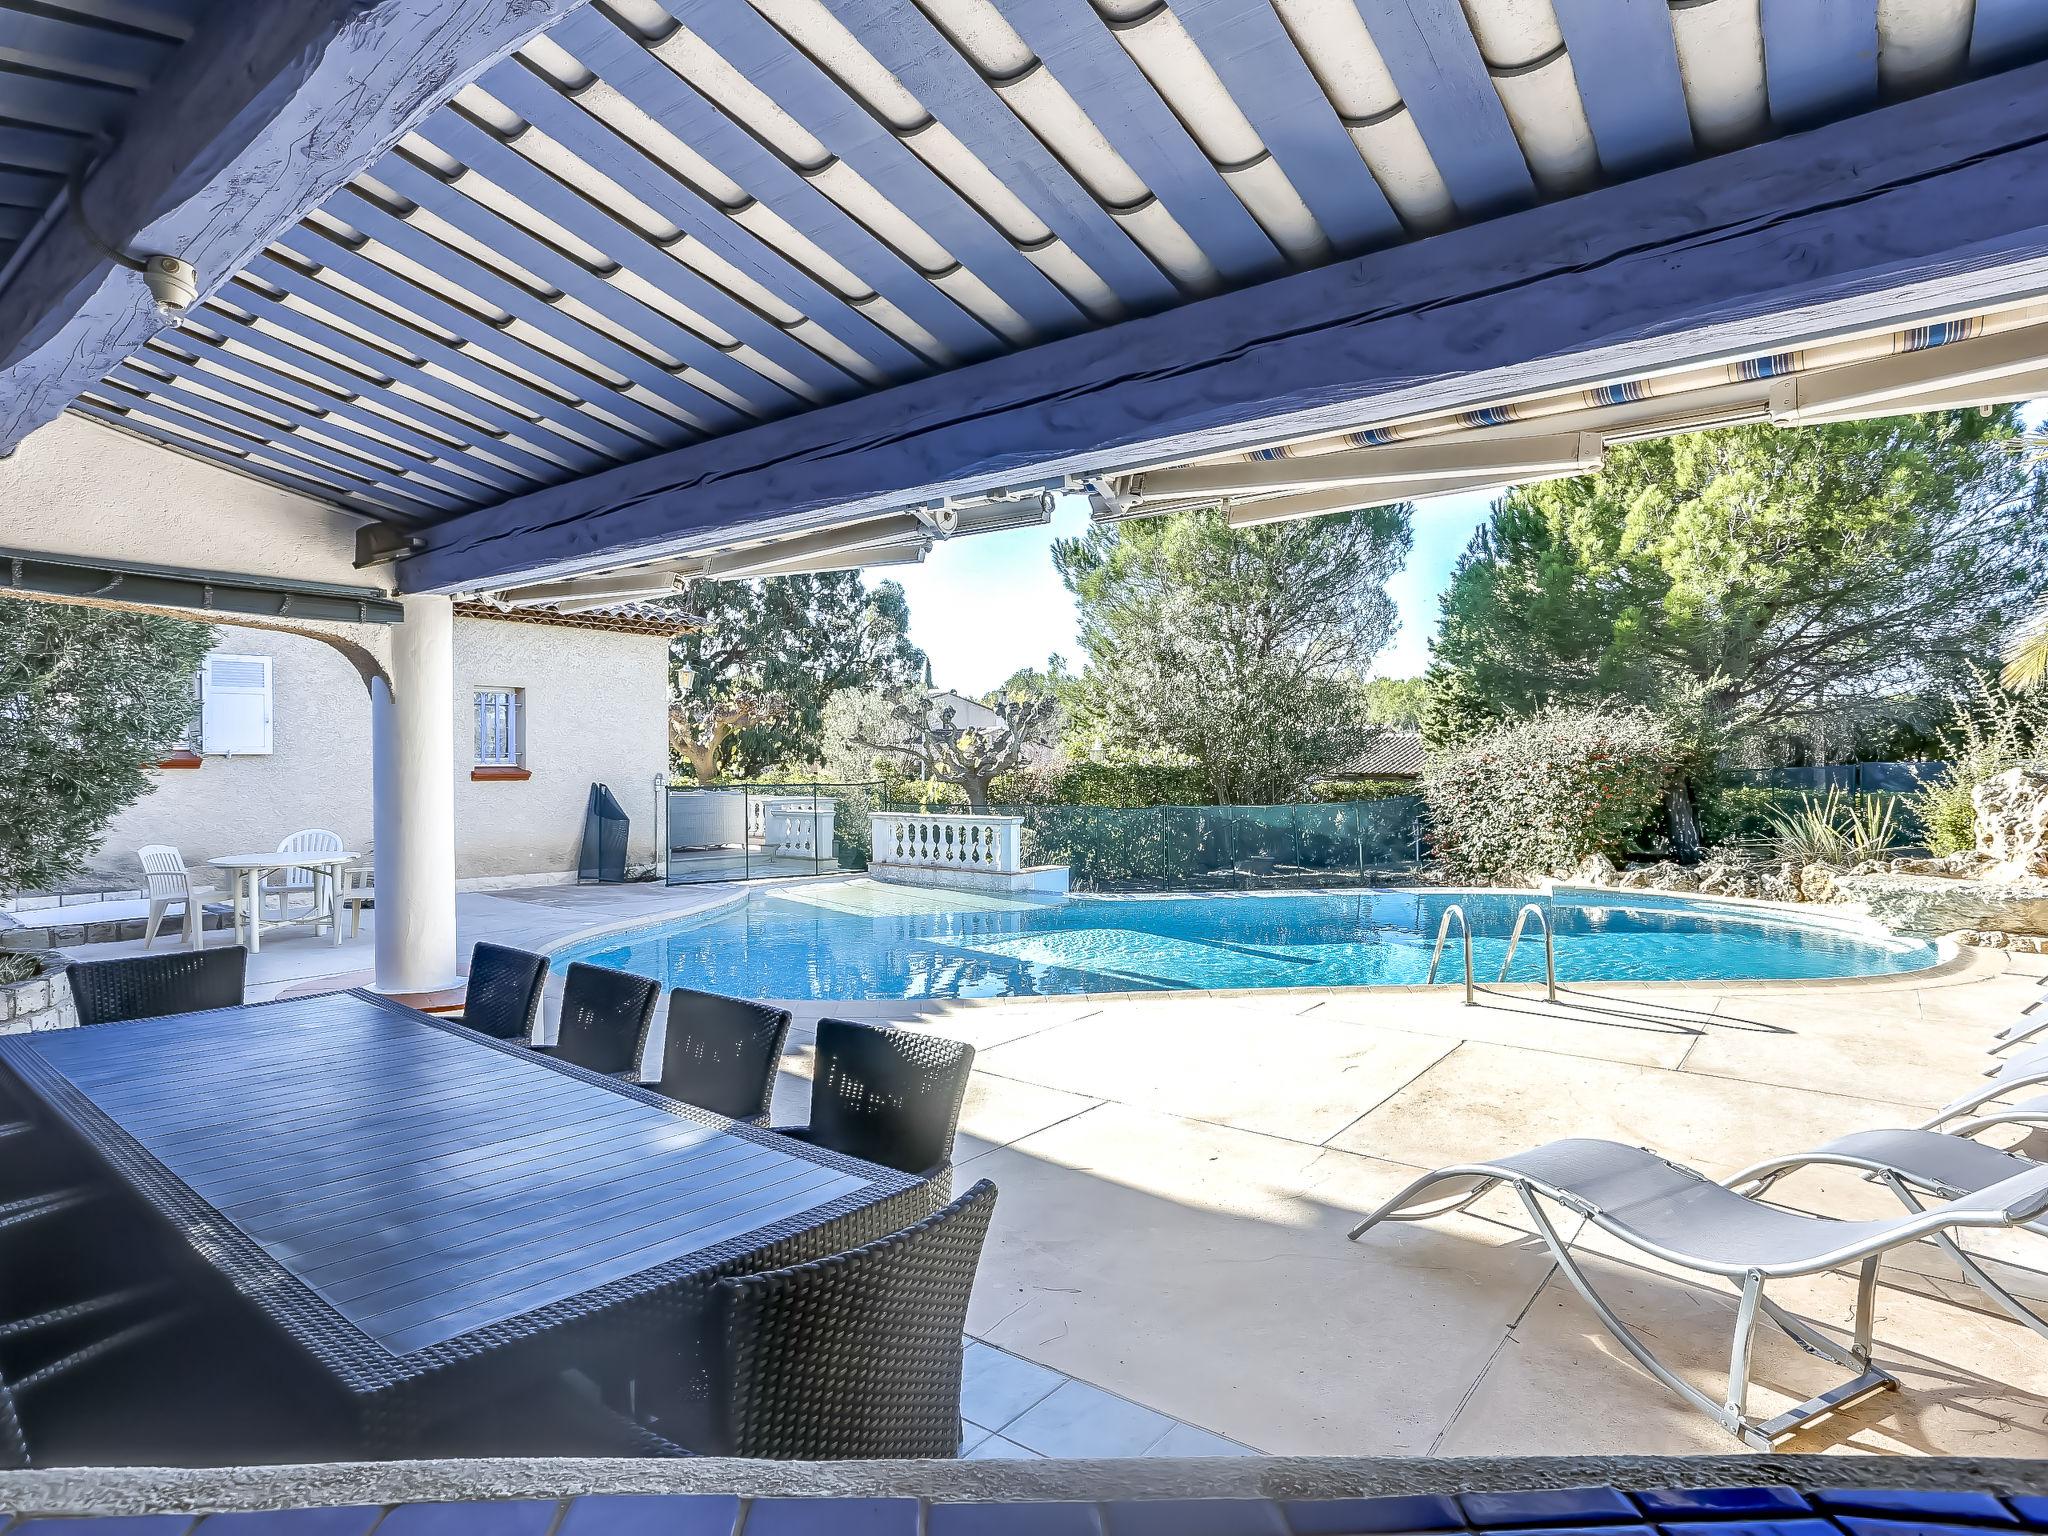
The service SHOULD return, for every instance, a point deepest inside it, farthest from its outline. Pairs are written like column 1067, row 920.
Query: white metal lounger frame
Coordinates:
column 2032, row 1021
column 1732, row 1414
column 2007, row 1078
column 1902, row 1181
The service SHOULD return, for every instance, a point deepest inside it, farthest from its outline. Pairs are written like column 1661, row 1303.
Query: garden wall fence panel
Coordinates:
column 1242, row 847
column 1849, row 778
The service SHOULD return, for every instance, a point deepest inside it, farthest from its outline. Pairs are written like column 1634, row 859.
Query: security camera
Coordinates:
column 174, row 284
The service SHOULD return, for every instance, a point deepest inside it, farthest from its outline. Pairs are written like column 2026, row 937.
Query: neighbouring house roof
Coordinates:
column 1389, row 755
column 619, row 619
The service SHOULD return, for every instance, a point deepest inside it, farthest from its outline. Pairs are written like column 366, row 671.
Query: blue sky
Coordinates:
column 983, row 607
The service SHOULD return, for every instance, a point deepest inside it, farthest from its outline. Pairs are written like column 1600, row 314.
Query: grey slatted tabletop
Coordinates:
column 401, row 1192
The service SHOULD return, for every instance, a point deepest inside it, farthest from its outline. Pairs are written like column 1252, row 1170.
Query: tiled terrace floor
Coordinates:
column 1177, row 1173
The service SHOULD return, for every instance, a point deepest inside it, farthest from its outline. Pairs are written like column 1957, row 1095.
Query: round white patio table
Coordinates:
column 247, row 870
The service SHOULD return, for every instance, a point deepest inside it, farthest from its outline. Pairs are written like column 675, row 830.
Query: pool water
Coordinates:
column 862, row 939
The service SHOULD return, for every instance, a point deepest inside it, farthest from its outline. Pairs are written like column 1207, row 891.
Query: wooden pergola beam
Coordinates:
column 253, row 122
column 1926, row 207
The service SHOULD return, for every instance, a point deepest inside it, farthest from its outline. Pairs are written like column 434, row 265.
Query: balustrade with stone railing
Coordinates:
column 991, row 845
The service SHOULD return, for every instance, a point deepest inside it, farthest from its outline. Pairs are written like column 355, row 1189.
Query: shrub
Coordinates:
column 1341, row 791
column 1126, row 786
column 1536, row 796
column 1991, row 731
column 89, row 701
column 18, row 965
column 1117, row 786
column 1735, row 813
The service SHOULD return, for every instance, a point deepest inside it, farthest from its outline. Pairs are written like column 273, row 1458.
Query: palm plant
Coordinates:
column 2027, row 663
column 1834, row 828
column 1810, row 832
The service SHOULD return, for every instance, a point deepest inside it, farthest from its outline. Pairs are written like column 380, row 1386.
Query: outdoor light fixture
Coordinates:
column 173, row 281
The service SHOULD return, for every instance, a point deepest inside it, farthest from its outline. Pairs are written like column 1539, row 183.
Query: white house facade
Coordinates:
column 545, row 705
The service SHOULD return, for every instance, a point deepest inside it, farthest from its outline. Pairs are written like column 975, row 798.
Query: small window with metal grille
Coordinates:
column 500, row 727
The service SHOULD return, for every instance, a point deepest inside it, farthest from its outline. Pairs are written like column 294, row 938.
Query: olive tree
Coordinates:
column 90, row 699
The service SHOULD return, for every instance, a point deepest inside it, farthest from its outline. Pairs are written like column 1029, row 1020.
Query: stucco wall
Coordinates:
column 75, row 487
column 596, row 702
column 317, row 773
column 596, row 709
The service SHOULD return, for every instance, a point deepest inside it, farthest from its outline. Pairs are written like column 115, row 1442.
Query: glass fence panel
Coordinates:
column 768, row 831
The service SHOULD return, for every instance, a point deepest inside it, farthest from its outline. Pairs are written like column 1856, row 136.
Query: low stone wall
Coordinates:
column 1249, row 1482
column 44, row 1002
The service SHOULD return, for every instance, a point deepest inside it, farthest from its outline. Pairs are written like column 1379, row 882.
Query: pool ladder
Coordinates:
column 1443, row 931
column 1549, row 949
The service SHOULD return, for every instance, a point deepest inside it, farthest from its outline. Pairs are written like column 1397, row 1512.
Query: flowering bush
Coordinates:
column 1535, row 797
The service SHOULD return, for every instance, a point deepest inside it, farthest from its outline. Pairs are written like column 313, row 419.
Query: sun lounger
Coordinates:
column 1675, row 1214
column 2029, row 1069
column 1944, row 1165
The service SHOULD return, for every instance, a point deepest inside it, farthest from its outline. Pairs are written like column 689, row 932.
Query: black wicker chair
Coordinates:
column 890, row 1096
column 150, row 986
column 606, row 1016
column 503, row 997
column 852, row 1357
column 721, row 1053
column 39, row 1351
column 562, row 1416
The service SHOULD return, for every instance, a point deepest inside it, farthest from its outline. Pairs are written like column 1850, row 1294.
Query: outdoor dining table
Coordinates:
column 247, row 870
column 425, row 1218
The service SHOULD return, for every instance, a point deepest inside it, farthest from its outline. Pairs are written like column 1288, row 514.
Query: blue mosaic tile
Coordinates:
column 111, row 1525
column 485, row 1517
column 1866, row 1525
column 1368, row 1517
column 651, row 1514
column 1800, row 1525
column 1975, row 1508
column 1705, row 1503
column 1013, row 1520
column 2032, row 1507
column 1193, row 1517
column 832, row 1517
column 1549, row 1506
column 357, row 1520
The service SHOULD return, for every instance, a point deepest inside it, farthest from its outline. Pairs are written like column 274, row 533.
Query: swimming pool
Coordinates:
column 862, row 939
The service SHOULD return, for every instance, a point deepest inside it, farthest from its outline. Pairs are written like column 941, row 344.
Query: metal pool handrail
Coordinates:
column 1443, row 930
column 1549, row 948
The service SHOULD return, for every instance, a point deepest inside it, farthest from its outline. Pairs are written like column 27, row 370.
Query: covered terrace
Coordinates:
column 325, row 316
column 573, row 303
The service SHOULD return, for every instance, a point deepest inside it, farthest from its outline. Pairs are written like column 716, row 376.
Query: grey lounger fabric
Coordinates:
column 1678, row 1215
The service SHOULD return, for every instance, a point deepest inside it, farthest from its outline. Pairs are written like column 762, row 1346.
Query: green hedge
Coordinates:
column 1116, row 786
column 1536, row 796
column 1337, row 791
column 1191, row 844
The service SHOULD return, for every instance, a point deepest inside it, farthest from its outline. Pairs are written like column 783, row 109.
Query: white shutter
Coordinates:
column 235, row 706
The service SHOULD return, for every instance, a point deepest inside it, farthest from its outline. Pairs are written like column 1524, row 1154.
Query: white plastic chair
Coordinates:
column 284, row 884
column 169, row 884
column 358, row 890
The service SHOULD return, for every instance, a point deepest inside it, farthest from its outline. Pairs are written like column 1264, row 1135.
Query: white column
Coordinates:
column 412, row 723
